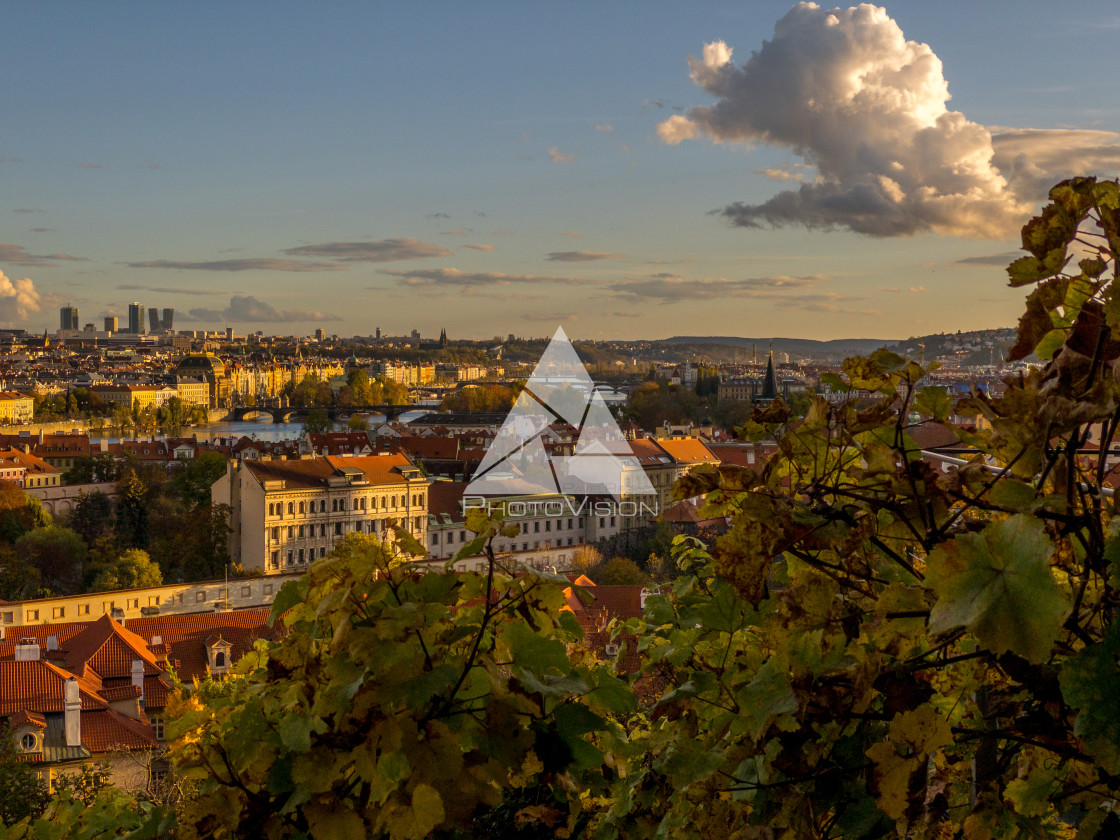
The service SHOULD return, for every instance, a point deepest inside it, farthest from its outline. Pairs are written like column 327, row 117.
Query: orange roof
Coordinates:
column 108, row 649
column 40, row 686
column 312, row 473
column 107, row 729
column 688, row 451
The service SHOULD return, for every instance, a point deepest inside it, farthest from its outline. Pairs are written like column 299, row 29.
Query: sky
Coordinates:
column 624, row 170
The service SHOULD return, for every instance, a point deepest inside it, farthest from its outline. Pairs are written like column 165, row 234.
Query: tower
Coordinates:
column 153, row 316
column 443, row 339
column 168, row 319
column 136, row 319
column 111, row 323
column 68, row 317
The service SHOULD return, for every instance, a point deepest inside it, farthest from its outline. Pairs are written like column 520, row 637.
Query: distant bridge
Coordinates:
column 283, row 415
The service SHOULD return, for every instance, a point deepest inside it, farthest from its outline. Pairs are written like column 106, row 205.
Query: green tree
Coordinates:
column 87, row 469
column 25, row 794
column 92, row 516
column 317, row 423
column 619, row 571
column 134, row 569
column 357, row 423
column 58, row 554
column 193, row 482
column 132, row 511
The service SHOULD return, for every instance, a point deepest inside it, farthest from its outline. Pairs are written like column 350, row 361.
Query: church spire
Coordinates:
column 770, row 382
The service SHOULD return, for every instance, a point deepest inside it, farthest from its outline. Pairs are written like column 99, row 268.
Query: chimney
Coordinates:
column 73, row 719
column 41, row 436
column 103, row 444
column 138, row 676
column 157, row 640
column 52, row 643
column 27, row 650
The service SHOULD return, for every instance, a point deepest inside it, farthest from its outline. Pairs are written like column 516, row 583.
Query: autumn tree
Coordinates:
column 133, row 569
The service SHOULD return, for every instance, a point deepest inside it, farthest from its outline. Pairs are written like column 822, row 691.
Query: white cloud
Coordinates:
column 557, row 157
column 850, row 94
column 18, row 298
column 607, row 127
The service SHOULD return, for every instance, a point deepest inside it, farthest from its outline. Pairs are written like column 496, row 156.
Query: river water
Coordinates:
column 261, row 429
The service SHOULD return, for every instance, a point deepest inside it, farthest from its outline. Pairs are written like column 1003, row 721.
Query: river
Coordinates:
column 259, row 429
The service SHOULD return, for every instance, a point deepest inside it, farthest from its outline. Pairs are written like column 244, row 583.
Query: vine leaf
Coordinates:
column 1090, row 683
column 998, row 585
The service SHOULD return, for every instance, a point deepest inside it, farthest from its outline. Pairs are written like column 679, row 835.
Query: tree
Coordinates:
column 317, row 423
column 92, row 516
column 87, row 469
column 192, row 483
column 58, row 554
column 132, row 511
column 19, row 513
column 25, row 794
column 357, row 423
column 19, row 579
column 134, row 569
column 620, row 571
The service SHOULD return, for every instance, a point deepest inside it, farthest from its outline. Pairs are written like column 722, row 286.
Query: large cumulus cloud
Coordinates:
column 18, row 298
column 846, row 90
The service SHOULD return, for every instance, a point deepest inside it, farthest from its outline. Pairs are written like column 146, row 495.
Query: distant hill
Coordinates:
column 978, row 347
column 738, row 349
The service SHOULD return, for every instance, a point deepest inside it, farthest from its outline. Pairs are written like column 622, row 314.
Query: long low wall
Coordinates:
column 59, row 501
column 47, row 428
column 168, row 599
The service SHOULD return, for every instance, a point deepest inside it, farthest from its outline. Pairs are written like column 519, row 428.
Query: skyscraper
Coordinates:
column 136, row 319
column 153, row 317
column 111, row 323
column 168, row 319
column 68, row 318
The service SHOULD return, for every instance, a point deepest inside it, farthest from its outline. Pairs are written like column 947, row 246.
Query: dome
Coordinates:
column 207, row 366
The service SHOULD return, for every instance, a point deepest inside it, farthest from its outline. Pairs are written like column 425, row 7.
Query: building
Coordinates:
column 286, row 513
column 168, row 319
column 111, row 324
column 193, row 391
column 208, row 368
column 68, row 318
column 16, row 407
column 206, row 596
column 666, row 461
column 552, row 528
column 138, row 397
column 34, row 471
column 136, row 319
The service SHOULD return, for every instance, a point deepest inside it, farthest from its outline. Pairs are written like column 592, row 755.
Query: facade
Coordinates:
column 136, row 319
column 167, row 599
column 16, row 407
column 666, row 461
column 68, row 318
column 35, row 473
column 193, row 391
column 287, row 513
column 135, row 396
column 111, row 324
column 207, row 368
column 552, row 528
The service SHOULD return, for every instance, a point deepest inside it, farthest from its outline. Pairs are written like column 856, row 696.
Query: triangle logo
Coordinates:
column 517, row 461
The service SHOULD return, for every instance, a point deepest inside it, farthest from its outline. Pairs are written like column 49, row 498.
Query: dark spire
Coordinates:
column 770, row 382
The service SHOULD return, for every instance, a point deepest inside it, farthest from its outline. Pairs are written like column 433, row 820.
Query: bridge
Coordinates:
column 283, row 415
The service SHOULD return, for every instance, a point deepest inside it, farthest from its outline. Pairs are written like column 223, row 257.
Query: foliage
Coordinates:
column 19, row 513
column 134, row 569
column 480, row 398
column 399, row 704
column 654, row 403
column 193, row 482
column 620, row 571
column 88, row 469
column 85, row 785
column 92, row 516
column 317, row 423
column 25, row 794
column 132, row 511
column 58, row 554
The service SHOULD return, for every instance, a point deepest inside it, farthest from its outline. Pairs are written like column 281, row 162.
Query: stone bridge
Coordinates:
column 283, row 415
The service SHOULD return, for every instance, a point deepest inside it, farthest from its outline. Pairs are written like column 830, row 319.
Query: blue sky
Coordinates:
column 495, row 167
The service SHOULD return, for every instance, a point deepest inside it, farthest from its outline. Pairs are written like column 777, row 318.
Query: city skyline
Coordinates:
column 494, row 169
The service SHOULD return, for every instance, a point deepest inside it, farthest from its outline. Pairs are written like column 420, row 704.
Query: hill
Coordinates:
column 733, row 348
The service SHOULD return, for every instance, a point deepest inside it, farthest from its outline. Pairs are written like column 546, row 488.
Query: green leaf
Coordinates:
column 998, row 585
column 934, row 401
column 1026, row 270
column 767, row 696
column 291, row 593
column 1090, row 683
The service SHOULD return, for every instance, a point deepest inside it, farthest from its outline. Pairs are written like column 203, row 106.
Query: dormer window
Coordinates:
column 29, row 742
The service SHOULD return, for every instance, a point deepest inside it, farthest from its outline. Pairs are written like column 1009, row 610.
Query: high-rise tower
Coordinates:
column 136, row 319
column 68, row 318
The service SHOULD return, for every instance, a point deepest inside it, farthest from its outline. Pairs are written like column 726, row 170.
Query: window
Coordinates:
column 27, row 742
column 220, row 659
column 83, row 609
column 322, row 552
column 612, row 521
column 435, row 539
column 290, row 555
column 199, row 597
column 363, row 504
column 416, row 526
column 338, row 527
column 536, row 527
column 32, row 615
column 157, row 727
column 602, row 522
column 276, row 533
column 246, row 591
column 569, row 524
column 334, row 505
column 301, row 555
column 548, row 525
column 291, row 531
column 268, row 587
column 301, row 508
column 421, row 498
column 58, row 612
column 153, row 600
column 291, row 508
column 322, row 530
column 275, row 561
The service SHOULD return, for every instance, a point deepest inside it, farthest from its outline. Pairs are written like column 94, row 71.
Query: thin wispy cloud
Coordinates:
column 248, row 309
column 558, row 157
column 245, row 264
column 668, row 288
column 385, row 250
column 17, row 255
column 605, row 127
column 990, row 259
column 171, row 290
column 455, row 277
column 581, row 256
column 845, row 90
column 553, row 317
column 477, row 247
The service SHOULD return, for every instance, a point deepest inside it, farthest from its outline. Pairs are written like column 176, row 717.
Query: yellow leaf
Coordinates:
column 923, row 730
column 892, row 776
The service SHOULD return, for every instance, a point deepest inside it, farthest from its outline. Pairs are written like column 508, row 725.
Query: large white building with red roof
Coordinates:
column 287, row 513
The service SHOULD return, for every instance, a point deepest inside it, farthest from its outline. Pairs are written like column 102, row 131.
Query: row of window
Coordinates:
column 339, row 505
column 503, row 548
column 300, row 532
column 79, row 610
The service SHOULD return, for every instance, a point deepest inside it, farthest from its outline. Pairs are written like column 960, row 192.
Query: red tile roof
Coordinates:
column 108, row 729
column 39, row 686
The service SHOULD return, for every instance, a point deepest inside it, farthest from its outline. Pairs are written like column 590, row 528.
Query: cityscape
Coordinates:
column 526, row 429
